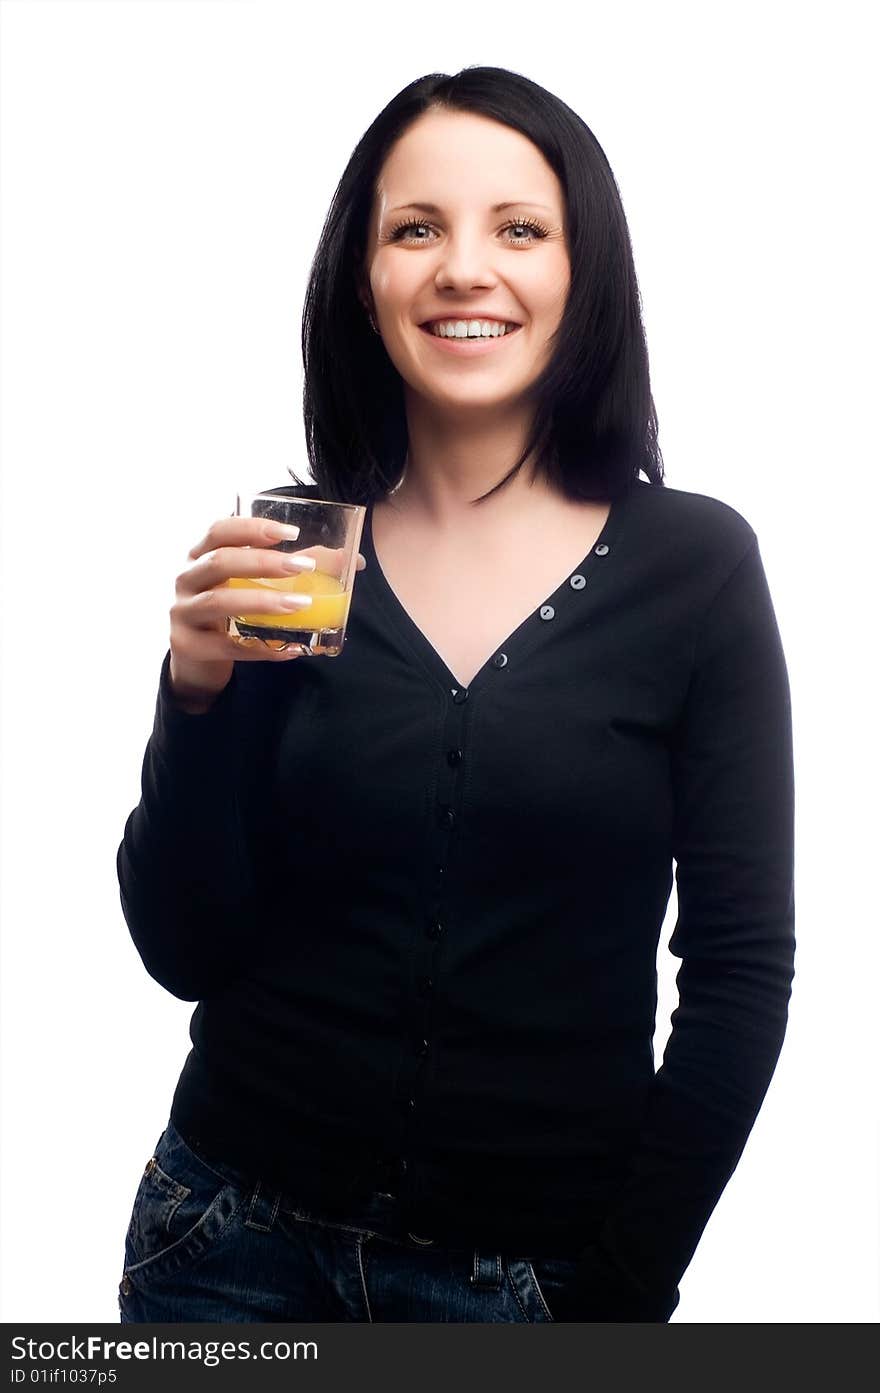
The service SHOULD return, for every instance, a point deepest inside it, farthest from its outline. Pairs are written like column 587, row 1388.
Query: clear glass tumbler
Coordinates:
column 331, row 534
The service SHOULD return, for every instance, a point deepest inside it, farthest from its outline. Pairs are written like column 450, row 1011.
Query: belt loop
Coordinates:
column 263, row 1207
column 486, row 1271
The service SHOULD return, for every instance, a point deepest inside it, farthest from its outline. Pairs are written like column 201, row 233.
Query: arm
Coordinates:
column 186, row 878
column 733, row 783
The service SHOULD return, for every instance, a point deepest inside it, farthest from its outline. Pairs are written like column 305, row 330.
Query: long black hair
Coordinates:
column 595, row 425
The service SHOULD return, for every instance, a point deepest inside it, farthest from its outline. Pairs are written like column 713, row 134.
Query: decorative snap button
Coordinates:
column 602, row 549
column 453, row 757
column 459, row 695
column 577, row 582
column 446, row 817
column 435, row 929
column 547, row 611
column 125, row 1286
column 500, row 660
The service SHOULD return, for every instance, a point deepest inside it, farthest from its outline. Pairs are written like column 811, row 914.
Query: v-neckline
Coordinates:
column 521, row 639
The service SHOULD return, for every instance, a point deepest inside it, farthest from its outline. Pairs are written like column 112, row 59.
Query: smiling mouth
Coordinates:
column 470, row 338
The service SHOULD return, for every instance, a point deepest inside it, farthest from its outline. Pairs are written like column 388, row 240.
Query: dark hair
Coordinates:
column 595, row 426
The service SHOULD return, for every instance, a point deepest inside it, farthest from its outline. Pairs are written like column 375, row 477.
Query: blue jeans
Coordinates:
column 206, row 1244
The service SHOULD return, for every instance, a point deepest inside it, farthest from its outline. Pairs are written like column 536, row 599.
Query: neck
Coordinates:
column 450, row 463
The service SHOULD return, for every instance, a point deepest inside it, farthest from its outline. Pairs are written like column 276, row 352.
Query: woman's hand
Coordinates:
column 203, row 654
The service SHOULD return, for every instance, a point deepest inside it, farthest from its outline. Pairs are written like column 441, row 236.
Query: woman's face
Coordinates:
column 464, row 259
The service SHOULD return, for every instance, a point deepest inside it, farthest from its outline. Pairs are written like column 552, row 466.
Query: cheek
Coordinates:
column 380, row 278
column 548, row 288
column 556, row 298
column 393, row 281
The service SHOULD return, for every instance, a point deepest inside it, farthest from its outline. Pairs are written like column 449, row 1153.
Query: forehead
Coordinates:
column 448, row 156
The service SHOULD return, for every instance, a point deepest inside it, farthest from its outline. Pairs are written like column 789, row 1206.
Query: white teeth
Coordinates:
column 470, row 328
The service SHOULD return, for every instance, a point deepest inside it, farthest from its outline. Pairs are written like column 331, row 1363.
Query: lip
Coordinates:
column 470, row 347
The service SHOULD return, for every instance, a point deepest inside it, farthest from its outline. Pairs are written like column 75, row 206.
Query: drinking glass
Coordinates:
column 329, row 532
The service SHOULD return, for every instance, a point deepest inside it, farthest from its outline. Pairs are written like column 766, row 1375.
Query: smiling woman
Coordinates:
column 467, row 270
column 479, row 196
column 422, row 1083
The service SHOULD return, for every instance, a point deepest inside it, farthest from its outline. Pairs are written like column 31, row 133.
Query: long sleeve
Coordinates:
column 186, row 871
column 733, row 784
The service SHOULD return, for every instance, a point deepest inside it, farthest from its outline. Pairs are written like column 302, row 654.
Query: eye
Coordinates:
column 534, row 228
column 396, row 233
column 531, row 226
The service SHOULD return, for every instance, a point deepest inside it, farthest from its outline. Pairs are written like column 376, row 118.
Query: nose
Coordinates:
column 465, row 262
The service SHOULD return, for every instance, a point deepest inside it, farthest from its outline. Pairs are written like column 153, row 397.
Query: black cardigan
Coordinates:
column 421, row 921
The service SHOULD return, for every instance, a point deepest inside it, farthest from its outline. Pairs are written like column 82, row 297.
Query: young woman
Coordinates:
column 417, row 891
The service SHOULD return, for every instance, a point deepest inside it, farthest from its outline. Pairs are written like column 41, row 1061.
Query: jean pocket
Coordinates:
column 535, row 1281
column 554, row 1279
column 182, row 1209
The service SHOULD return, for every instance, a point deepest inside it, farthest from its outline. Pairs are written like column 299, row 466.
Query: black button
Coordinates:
column 410, row 1104
column 435, row 929
column 454, row 757
column 500, row 660
column 460, row 695
column 602, row 549
column 424, row 985
column 446, row 817
column 422, row 1047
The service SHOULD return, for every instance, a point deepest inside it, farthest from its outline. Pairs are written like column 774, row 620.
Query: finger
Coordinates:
column 243, row 531
column 215, row 567
column 206, row 606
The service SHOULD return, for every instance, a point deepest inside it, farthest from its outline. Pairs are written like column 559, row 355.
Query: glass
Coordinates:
column 329, row 532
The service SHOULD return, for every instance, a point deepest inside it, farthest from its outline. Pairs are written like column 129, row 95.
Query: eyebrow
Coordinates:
column 498, row 207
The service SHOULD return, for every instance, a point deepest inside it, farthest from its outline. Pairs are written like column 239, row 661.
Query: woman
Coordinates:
column 417, row 893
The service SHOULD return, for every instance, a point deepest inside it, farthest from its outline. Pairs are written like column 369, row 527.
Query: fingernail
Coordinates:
column 295, row 601
column 297, row 563
column 283, row 530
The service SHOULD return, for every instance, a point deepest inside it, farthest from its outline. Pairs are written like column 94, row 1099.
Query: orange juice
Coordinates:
column 328, row 610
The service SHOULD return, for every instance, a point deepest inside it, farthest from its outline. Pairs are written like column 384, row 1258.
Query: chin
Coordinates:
column 485, row 399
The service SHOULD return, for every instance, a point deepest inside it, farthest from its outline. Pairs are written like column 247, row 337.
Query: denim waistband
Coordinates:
column 380, row 1212
column 482, row 1203
column 378, row 1206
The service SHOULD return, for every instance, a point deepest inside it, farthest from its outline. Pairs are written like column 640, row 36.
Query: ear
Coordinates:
column 362, row 285
column 363, row 294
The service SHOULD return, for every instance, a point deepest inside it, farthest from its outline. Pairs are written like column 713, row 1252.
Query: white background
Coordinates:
column 166, row 168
